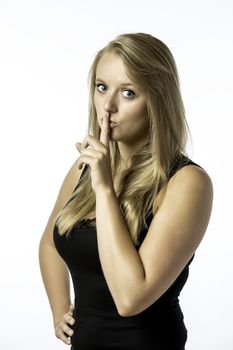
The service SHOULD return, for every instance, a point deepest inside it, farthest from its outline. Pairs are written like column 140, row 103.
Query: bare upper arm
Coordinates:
column 70, row 181
column 175, row 232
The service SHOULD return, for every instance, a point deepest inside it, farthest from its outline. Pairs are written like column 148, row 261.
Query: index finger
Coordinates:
column 104, row 135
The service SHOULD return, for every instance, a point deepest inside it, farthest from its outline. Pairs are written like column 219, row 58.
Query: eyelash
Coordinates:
column 97, row 85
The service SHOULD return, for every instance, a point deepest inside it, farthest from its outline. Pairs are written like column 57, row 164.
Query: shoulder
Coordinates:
column 68, row 186
column 192, row 178
column 191, row 190
column 69, row 182
column 185, row 208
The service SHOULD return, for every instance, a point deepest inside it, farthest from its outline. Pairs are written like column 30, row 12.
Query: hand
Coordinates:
column 97, row 157
column 62, row 331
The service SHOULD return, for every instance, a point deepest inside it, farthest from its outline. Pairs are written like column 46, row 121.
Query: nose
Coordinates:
column 110, row 104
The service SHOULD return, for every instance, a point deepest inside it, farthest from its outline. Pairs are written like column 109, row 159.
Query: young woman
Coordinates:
column 131, row 211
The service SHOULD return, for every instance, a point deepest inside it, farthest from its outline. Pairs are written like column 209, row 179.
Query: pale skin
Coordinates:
column 124, row 101
column 53, row 269
column 136, row 279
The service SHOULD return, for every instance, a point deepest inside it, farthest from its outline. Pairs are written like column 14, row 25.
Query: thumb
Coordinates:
column 78, row 145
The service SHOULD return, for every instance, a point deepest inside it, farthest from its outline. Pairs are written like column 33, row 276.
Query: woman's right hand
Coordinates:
column 62, row 330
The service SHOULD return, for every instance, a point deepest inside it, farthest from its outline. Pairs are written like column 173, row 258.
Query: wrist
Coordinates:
column 58, row 315
column 101, row 191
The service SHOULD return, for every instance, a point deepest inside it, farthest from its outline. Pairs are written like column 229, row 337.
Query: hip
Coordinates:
column 90, row 337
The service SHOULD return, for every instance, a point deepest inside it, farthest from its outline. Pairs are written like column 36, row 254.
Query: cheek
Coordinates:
column 138, row 121
column 97, row 107
column 138, row 115
column 95, row 100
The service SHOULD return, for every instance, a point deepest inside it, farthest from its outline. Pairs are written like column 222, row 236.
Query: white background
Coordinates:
column 46, row 48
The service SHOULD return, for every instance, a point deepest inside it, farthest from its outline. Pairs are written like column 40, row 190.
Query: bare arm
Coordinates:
column 138, row 279
column 54, row 271
column 55, row 278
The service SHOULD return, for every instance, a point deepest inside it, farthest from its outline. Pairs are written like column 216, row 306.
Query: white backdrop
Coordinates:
column 46, row 48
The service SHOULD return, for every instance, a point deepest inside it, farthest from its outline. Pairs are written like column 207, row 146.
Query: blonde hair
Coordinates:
column 149, row 64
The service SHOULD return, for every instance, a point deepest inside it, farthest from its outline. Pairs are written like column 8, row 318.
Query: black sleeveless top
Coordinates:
column 98, row 324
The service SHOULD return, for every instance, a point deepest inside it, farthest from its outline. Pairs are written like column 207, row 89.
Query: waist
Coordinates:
column 156, row 314
column 157, row 331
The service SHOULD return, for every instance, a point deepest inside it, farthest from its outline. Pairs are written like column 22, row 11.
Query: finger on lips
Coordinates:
column 90, row 140
column 105, row 130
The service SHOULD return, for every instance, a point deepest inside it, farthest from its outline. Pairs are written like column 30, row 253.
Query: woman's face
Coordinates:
column 126, row 103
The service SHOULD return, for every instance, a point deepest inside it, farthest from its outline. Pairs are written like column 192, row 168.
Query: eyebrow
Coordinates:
column 122, row 84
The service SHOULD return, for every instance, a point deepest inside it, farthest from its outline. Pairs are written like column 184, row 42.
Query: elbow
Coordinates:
column 123, row 307
column 131, row 303
column 124, row 312
column 128, row 309
column 128, row 312
column 134, row 307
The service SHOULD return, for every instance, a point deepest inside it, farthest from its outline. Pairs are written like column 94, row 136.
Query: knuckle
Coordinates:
column 64, row 317
column 58, row 333
column 64, row 339
column 69, row 331
column 72, row 321
column 66, row 328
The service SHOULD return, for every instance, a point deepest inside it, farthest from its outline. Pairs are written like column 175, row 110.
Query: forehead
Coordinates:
column 111, row 66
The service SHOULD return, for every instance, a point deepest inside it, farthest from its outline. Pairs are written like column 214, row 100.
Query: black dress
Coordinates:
column 98, row 324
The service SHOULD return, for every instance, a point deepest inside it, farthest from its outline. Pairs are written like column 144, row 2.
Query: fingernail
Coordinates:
column 78, row 146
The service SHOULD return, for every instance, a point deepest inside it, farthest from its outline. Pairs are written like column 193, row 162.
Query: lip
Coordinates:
column 112, row 125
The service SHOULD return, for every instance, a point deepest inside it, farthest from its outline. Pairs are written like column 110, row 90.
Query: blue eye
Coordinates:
column 98, row 85
column 104, row 89
column 132, row 93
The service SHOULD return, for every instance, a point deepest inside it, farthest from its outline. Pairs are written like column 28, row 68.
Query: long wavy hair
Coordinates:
column 149, row 64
